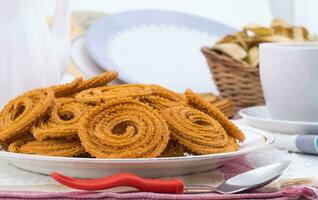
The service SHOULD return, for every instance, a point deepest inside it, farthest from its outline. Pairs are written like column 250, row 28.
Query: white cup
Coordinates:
column 289, row 76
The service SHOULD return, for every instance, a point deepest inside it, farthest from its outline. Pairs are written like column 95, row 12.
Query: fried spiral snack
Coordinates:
column 157, row 94
column 25, row 137
column 123, row 128
column 97, row 81
column 100, row 95
column 165, row 93
column 79, row 84
column 21, row 113
column 88, row 118
column 201, row 104
column 159, row 103
column 198, row 131
column 66, row 89
column 162, row 98
column 173, row 149
column 63, row 120
column 64, row 148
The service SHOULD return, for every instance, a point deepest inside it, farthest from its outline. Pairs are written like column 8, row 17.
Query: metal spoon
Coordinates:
column 248, row 180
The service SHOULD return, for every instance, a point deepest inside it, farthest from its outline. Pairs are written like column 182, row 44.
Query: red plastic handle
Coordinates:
column 171, row 186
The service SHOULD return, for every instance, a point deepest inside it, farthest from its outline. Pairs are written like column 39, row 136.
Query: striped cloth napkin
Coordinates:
column 297, row 143
column 294, row 143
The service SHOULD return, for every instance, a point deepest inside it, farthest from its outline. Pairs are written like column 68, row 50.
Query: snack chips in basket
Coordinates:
column 243, row 45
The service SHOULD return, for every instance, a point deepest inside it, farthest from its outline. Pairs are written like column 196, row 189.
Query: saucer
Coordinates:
column 259, row 117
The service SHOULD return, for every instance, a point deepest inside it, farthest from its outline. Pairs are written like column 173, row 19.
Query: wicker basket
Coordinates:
column 235, row 80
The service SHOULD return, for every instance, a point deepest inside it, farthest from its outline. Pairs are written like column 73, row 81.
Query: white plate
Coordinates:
column 84, row 63
column 161, row 47
column 82, row 60
column 150, row 167
column 259, row 117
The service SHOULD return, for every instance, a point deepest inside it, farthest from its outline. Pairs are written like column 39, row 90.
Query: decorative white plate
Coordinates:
column 259, row 117
column 82, row 60
column 84, row 63
column 161, row 47
column 150, row 167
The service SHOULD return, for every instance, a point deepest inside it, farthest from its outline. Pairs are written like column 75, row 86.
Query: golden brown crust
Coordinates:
column 224, row 105
column 25, row 137
column 159, row 103
column 21, row 113
column 122, row 121
column 96, row 96
column 201, row 104
column 173, row 149
column 79, row 84
column 197, row 130
column 62, row 122
column 48, row 148
column 157, row 94
column 162, row 98
column 97, row 81
column 162, row 92
column 123, row 128
column 66, row 89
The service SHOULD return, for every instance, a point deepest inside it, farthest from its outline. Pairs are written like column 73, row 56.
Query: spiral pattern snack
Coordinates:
column 162, row 98
column 66, row 89
column 173, row 149
column 96, row 96
column 90, row 119
column 226, row 106
column 159, row 103
column 79, row 84
column 167, row 94
column 201, row 104
column 64, row 148
column 62, row 122
column 18, row 116
column 25, row 137
column 97, row 81
column 123, row 128
column 198, row 131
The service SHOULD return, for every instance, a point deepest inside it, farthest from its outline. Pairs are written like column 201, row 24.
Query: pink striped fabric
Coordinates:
column 289, row 193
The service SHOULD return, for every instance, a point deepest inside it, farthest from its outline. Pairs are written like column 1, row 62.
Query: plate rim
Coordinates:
column 244, row 113
column 85, row 70
column 267, row 136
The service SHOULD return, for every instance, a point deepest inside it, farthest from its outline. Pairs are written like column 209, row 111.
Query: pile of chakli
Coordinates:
column 89, row 118
column 225, row 105
column 243, row 46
